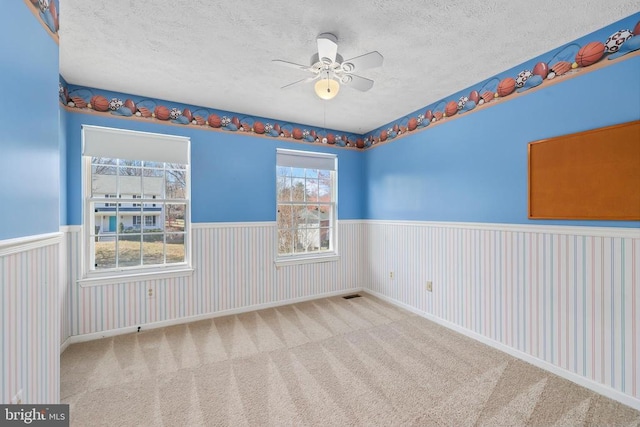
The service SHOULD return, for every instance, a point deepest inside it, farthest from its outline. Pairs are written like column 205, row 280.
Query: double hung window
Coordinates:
column 148, row 228
column 306, row 204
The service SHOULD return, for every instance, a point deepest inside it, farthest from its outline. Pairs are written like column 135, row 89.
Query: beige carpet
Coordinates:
column 327, row 362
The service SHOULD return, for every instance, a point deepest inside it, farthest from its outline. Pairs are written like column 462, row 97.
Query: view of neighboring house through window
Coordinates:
column 306, row 203
column 149, row 225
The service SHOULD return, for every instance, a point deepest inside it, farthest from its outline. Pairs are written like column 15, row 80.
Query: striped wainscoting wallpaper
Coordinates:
column 234, row 270
column 567, row 296
column 29, row 318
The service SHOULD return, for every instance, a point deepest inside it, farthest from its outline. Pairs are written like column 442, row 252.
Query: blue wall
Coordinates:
column 474, row 168
column 29, row 165
column 232, row 175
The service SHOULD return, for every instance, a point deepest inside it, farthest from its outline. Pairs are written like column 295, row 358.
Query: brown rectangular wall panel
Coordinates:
column 587, row 175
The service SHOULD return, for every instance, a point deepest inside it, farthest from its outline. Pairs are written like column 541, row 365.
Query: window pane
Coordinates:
column 300, row 240
column 175, row 248
column 297, row 189
column 308, row 239
column 311, row 173
column 298, row 215
column 312, row 190
column 152, row 218
column 285, row 216
column 132, row 221
column 153, row 183
column 103, row 180
column 129, row 250
column 153, row 248
column 285, row 241
column 283, row 171
column 174, row 214
column 312, row 215
column 129, row 181
column 325, row 238
column 126, row 163
column 284, row 188
column 177, row 166
column 104, row 161
column 175, row 184
column 105, row 252
column 156, row 165
column 298, row 172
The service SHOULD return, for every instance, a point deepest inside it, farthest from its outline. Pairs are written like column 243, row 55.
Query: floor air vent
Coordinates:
column 351, row 296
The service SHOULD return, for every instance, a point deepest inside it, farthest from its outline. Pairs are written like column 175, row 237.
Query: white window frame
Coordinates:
column 124, row 144
column 310, row 160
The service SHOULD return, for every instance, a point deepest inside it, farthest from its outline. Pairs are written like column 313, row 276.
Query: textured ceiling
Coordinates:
column 218, row 54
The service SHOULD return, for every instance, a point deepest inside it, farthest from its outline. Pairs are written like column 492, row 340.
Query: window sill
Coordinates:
column 119, row 278
column 309, row 259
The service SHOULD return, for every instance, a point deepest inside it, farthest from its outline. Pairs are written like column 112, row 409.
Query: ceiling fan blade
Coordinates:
column 292, row 65
column 307, row 80
column 357, row 82
column 368, row 60
column 327, row 47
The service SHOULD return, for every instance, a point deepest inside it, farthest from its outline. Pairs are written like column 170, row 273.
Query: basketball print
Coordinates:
column 258, row 127
column 590, row 54
column 506, row 86
column 99, row 103
column 214, row 120
column 162, row 112
column 451, row 109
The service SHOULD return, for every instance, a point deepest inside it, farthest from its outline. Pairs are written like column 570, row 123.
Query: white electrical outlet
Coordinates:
column 429, row 286
column 150, row 293
column 391, row 275
column 17, row 399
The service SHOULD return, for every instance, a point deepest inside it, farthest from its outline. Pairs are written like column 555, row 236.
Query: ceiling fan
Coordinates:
column 330, row 70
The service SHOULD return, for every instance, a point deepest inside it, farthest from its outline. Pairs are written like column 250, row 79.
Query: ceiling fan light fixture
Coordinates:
column 327, row 88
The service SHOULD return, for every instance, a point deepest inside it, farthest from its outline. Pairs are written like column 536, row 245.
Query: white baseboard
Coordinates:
column 161, row 324
column 65, row 344
column 580, row 380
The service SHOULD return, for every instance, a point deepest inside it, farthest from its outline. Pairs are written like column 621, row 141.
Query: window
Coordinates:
column 112, row 196
column 149, row 221
column 148, row 229
column 306, row 205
